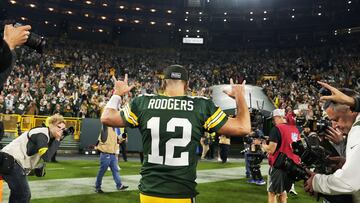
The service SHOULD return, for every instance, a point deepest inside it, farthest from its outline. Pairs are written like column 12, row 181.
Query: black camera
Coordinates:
column 296, row 172
column 35, row 41
column 40, row 171
column 68, row 131
column 321, row 126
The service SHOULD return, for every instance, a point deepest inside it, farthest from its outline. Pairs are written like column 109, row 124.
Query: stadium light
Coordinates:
column 225, row 20
column 169, row 11
column 46, row 22
column 168, row 24
column 88, row 2
column 153, row 10
column 104, row 4
column 136, row 21
column 264, row 19
column 121, row 7
column 69, row 12
column 51, row 9
column 197, row 31
column 101, row 30
column 200, row 19
column 120, row 19
column 32, row 5
column 349, row 2
column 225, row 13
column 187, row 12
column 86, row 15
column 79, row 27
column 23, row 18
column 137, row 8
column 152, row 23
column 103, row 17
column 265, row 12
column 200, row 13
column 179, row 29
column 319, row 14
column 186, row 19
column 251, row 12
column 13, row 2
column 293, row 16
column 187, row 30
column 251, row 19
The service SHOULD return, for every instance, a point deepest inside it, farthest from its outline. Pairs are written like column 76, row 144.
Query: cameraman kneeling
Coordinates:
column 23, row 154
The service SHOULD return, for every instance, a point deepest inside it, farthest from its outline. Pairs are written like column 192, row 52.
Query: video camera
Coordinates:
column 313, row 155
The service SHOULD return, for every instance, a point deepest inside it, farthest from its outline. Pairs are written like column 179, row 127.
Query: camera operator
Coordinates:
column 281, row 138
column 23, row 154
column 345, row 180
column 254, row 156
column 13, row 36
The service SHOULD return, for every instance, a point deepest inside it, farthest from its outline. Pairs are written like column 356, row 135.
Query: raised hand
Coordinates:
column 236, row 89
column 337, row 96
column 122, row 87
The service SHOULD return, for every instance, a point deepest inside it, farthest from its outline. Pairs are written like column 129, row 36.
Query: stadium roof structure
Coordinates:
column 227, row 22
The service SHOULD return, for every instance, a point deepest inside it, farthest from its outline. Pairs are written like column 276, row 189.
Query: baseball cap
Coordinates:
column 176, row 72
column 278, row 112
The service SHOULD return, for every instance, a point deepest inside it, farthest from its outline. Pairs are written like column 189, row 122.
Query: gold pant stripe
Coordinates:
column 152, row 199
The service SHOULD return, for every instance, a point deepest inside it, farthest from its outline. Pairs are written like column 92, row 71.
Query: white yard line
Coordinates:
column 82, row 186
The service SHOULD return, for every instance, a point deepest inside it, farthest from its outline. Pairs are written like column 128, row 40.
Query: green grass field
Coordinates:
column 231, row 191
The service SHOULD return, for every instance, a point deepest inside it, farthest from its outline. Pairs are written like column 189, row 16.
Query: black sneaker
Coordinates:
column 99, row 191
column 123, row 187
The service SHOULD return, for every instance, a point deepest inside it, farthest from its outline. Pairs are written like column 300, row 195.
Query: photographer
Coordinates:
column 345, row 180
column 280, row 141
column 23, row 154
column 13, row 36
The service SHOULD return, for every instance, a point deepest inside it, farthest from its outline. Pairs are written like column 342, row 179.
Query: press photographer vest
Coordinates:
column 18, row 147
column 110, row 145
column 289, row 134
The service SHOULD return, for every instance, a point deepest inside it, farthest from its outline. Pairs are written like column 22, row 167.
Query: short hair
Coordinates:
column 333, row 105
column 57, row 118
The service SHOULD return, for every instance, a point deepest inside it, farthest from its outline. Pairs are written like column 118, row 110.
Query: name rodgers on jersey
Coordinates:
column 171, row 104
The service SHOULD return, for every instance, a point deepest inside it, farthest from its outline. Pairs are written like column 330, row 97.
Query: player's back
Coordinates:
column 171, row 128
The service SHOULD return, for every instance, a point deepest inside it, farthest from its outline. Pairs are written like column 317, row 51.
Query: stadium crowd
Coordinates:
column 75, row 78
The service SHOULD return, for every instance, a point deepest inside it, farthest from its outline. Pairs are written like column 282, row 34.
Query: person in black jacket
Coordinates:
column 13, row 37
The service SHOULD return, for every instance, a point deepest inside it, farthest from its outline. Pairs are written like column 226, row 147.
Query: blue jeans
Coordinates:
column 18, row 184
column 108, row 160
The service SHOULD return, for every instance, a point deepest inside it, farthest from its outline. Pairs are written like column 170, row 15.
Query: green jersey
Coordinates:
column 171, row 129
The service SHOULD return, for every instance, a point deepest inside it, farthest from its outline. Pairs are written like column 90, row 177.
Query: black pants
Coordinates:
column 224, row 152
column 18, row 184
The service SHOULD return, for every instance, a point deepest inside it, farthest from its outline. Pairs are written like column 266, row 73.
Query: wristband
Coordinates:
column 114, row 102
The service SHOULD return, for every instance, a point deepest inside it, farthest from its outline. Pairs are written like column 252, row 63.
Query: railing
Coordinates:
column 27, row 122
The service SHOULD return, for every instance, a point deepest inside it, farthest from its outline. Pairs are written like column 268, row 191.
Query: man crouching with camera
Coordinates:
column 23, row 154
column 345, row 180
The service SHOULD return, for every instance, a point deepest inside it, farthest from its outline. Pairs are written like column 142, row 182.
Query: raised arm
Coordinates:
column 111, row 114
column 240, row 125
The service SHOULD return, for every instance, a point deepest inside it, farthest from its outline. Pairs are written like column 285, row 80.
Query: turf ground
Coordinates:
column 232, row 191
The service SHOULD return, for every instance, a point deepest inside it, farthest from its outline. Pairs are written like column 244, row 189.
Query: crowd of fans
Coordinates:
column 41, row 85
